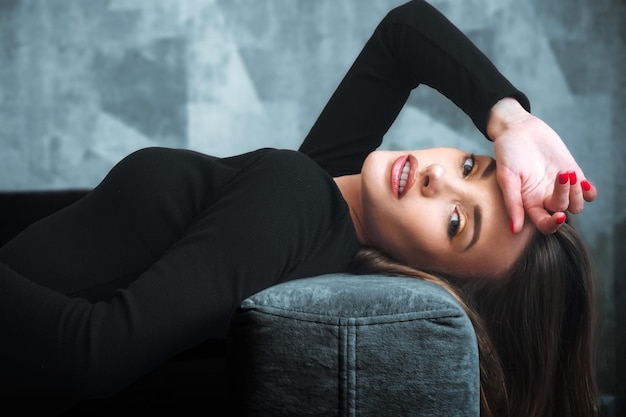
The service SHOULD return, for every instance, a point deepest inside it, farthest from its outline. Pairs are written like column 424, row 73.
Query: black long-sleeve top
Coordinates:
column 413, row 45
column 156, row 258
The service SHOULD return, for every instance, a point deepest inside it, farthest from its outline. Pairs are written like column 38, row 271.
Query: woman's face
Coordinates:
column 445, row 213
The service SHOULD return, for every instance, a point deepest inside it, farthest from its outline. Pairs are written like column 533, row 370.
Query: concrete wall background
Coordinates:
column 85, row 82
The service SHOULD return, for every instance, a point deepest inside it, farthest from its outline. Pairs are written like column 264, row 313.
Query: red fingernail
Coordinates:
column 563, row 178
column 512, row 226
column 561, row 219
column 585, row 184
column 572, row 178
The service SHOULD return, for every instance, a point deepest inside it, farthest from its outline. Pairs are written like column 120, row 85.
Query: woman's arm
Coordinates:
column 414, row 44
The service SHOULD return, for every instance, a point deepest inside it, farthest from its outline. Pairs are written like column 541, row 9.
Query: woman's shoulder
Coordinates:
column 291, row 166
column 296, row 174
column 287, row 161
column 265, row 156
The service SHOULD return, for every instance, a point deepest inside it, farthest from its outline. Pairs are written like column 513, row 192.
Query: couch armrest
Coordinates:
column 344, row 345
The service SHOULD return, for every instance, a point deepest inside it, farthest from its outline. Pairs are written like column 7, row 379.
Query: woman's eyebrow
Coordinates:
column 478, row 213
column 489, row 169
column 478, row 221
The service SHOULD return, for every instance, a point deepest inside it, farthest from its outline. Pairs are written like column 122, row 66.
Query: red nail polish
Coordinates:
column 572, row 178
column 561, row 219
column 585, row 184
column 512, row 226
column 563, row 178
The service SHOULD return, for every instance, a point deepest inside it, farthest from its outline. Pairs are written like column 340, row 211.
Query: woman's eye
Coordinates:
column 454, row 224
column 468, row 165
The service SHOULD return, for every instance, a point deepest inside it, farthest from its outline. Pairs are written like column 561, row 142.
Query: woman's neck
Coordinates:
column 350, row 188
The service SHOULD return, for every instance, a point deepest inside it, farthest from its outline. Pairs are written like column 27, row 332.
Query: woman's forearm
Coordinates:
column 432, row 51
column 414, row 44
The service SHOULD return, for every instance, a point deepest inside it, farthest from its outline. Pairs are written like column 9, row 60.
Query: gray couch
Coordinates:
column 342, row 345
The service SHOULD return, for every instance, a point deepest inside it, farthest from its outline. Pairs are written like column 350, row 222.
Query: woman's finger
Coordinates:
column 546, row 223
column 589, row 190
column 576, row 201
column 560, row 198
column 510, row 185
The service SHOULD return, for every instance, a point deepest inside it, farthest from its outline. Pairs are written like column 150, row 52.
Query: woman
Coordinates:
column 155, row 259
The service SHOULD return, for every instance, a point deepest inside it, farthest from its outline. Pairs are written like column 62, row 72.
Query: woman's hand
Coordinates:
column 535, row 170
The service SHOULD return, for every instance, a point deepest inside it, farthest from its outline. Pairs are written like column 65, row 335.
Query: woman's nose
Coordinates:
column 434, row 180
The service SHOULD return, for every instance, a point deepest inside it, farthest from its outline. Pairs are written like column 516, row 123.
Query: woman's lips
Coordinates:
column 400, row 185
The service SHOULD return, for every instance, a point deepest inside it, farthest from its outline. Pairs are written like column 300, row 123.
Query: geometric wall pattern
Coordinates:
column 85, row 82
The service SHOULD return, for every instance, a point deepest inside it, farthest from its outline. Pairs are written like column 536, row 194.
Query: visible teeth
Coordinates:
column 404, row 176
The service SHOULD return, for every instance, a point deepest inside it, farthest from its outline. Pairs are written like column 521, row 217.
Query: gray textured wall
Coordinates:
column 84, row 82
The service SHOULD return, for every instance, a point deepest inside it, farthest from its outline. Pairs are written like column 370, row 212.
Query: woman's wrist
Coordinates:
column 503, row 114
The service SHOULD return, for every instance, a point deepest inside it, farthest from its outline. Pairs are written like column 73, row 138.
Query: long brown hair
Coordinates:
column 535, row 328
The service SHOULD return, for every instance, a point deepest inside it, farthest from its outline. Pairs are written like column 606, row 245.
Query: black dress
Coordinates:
column 154, row 260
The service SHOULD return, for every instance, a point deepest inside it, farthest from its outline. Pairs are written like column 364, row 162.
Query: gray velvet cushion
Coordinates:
column 344, row 345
